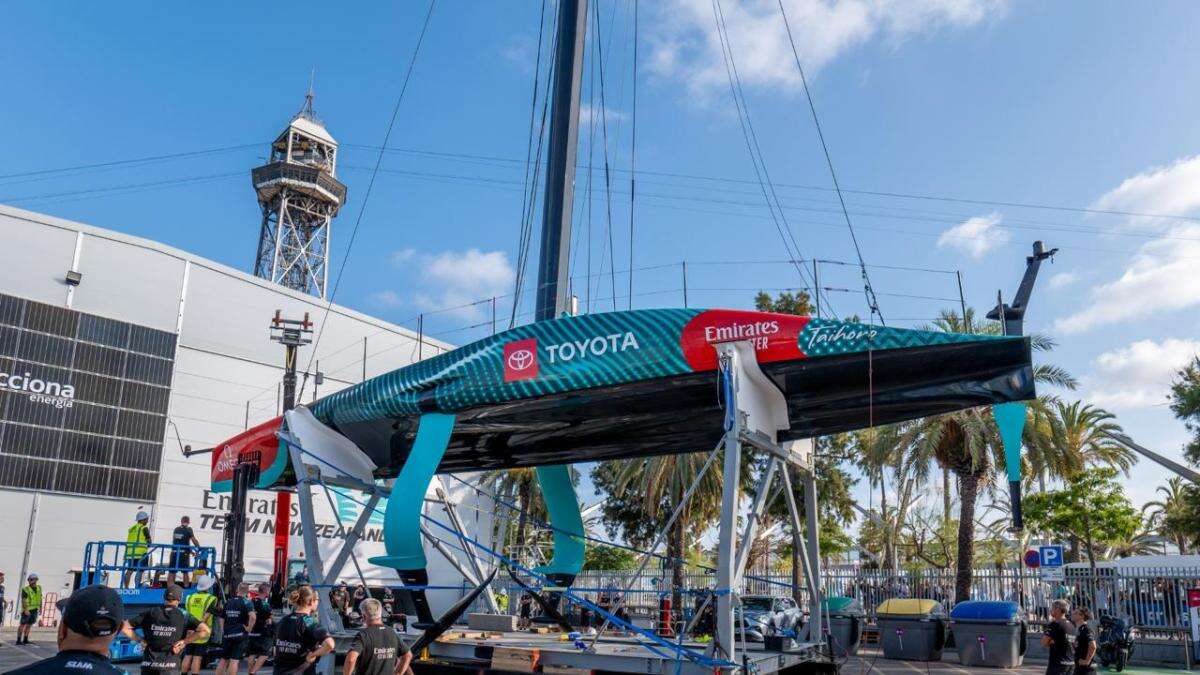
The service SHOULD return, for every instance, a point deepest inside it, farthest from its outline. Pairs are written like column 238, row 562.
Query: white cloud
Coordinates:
column 587, row 112
column 976, row 236
column 1168, row 189
column 1062, row 280
column 1139, row 374
column 686, row 45
column 1162, row 276
column 452, row 280
column 386, row 298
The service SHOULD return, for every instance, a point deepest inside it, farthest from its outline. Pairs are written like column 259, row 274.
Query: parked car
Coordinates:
column 762, row 615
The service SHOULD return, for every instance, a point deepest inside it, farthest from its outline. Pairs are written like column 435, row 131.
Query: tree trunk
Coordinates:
column 675, row 547
column 945, row 498
column 797, row 579
column 524, row 492
column 968, row 491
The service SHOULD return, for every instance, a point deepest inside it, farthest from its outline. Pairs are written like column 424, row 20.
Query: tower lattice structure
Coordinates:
column 299, row 195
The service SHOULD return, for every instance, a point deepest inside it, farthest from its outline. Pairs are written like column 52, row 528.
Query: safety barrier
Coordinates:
column 1153, row 598
column 146, row 560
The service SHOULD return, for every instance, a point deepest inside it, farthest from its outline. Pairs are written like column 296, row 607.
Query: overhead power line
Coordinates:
column 371, row 184
column 872, row 302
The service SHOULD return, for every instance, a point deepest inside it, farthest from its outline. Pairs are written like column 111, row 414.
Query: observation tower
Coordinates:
column 299, row 195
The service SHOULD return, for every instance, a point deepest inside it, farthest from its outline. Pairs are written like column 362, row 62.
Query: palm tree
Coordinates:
column 1082, row 435
column 968, row 444
column 517, row 486
column 1168, row 514
column 644, row 492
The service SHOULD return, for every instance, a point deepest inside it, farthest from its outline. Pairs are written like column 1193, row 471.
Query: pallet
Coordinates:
column 516, row 659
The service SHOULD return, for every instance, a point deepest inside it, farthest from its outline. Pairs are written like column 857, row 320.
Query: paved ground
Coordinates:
column 44, row 646
column 869, row 663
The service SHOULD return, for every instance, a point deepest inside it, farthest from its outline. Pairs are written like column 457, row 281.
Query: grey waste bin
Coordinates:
column 989, row 633
column 845, row 624
column 911, row 629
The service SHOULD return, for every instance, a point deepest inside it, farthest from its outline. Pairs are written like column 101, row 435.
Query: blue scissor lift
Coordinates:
column 105, row 562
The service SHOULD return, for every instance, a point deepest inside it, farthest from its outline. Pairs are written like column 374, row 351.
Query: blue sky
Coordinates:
column 1075, row 104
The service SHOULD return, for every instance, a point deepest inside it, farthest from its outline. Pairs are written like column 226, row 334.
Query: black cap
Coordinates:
column 173, row 592
column 94, row 611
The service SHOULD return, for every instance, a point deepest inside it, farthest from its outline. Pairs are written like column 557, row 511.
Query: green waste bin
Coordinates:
column 845, row 617
column 911, row 629
column 989, row 633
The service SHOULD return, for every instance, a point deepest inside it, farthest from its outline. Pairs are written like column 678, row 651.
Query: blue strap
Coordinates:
column 401, row 520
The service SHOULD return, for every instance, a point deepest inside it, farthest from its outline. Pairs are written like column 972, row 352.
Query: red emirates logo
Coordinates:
column 520, row 360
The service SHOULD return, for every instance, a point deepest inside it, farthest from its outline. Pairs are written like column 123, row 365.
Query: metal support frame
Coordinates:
column 308, row 475
column 312, row 551
column 748, row 414
column 472, row 557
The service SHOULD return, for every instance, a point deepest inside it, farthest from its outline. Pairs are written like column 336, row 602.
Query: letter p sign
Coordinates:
column 1051, row 556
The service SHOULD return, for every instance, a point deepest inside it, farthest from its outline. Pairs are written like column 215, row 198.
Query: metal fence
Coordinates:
column 1152, row 598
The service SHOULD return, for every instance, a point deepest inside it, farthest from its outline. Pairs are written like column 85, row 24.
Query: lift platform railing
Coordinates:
column 153, row 560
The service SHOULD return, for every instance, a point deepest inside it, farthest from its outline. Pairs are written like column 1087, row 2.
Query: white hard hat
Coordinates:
column 142, row 515
column 204, row 583
column 32, row 575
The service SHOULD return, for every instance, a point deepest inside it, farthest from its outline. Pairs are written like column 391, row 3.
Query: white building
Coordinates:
column 104, row 378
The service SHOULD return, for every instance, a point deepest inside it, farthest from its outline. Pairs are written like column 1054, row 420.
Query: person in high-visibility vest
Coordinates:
column 204, row 606
column 137, row 549
column 31, row 606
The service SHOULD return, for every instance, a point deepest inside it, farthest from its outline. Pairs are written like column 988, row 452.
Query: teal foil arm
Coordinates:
column 563, row 508
column 402, row 520
column 1010, row 419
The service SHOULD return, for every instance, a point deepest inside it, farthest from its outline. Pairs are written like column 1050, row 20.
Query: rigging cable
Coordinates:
column 872, row 302
column 607, row 173
column 527, row 194
column 766, row 186
column 633, row 149
column 367, row 195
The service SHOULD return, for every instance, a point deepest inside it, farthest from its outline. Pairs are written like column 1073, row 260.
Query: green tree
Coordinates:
column 1185, row 403
column 1172, row 515
column 1081, row 433
column 602, row 557
column 833, row 481
column 642, row 493
column 1091, row 509
column 968, row 444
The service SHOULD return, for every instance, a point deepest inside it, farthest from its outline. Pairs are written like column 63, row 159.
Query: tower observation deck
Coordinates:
column 299, row 195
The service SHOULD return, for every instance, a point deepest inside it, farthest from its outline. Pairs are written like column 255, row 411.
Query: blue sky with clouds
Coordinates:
column 996, row 102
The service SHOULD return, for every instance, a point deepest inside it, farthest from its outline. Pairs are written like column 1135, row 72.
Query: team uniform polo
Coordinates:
column 237, row 615
column 71, row 663
column 162, row 627
column 379, row 649
column 295, row 636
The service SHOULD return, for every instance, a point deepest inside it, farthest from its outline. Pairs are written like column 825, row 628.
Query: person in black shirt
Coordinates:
column 237, row 622
column 90, row 620
column 1055, row 640
column 166, row 631
column 376, row 650
column 301, row 640
column 1085, row 644
column 181, row 558
column 259, row 647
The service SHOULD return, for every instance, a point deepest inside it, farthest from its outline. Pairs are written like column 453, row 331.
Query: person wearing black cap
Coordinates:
column 90, row 620
column 166, row 631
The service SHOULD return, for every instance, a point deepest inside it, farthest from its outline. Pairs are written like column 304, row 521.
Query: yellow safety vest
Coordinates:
column 136, row 540
column 31, row 598
column 199, row 604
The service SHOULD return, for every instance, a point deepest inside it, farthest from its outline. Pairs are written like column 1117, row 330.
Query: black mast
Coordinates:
column 555, row 255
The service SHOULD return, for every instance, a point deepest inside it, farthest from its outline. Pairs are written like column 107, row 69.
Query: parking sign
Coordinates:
column 1051, row 556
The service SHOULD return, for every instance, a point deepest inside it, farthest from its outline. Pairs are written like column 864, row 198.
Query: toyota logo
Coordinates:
column 520, row 359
